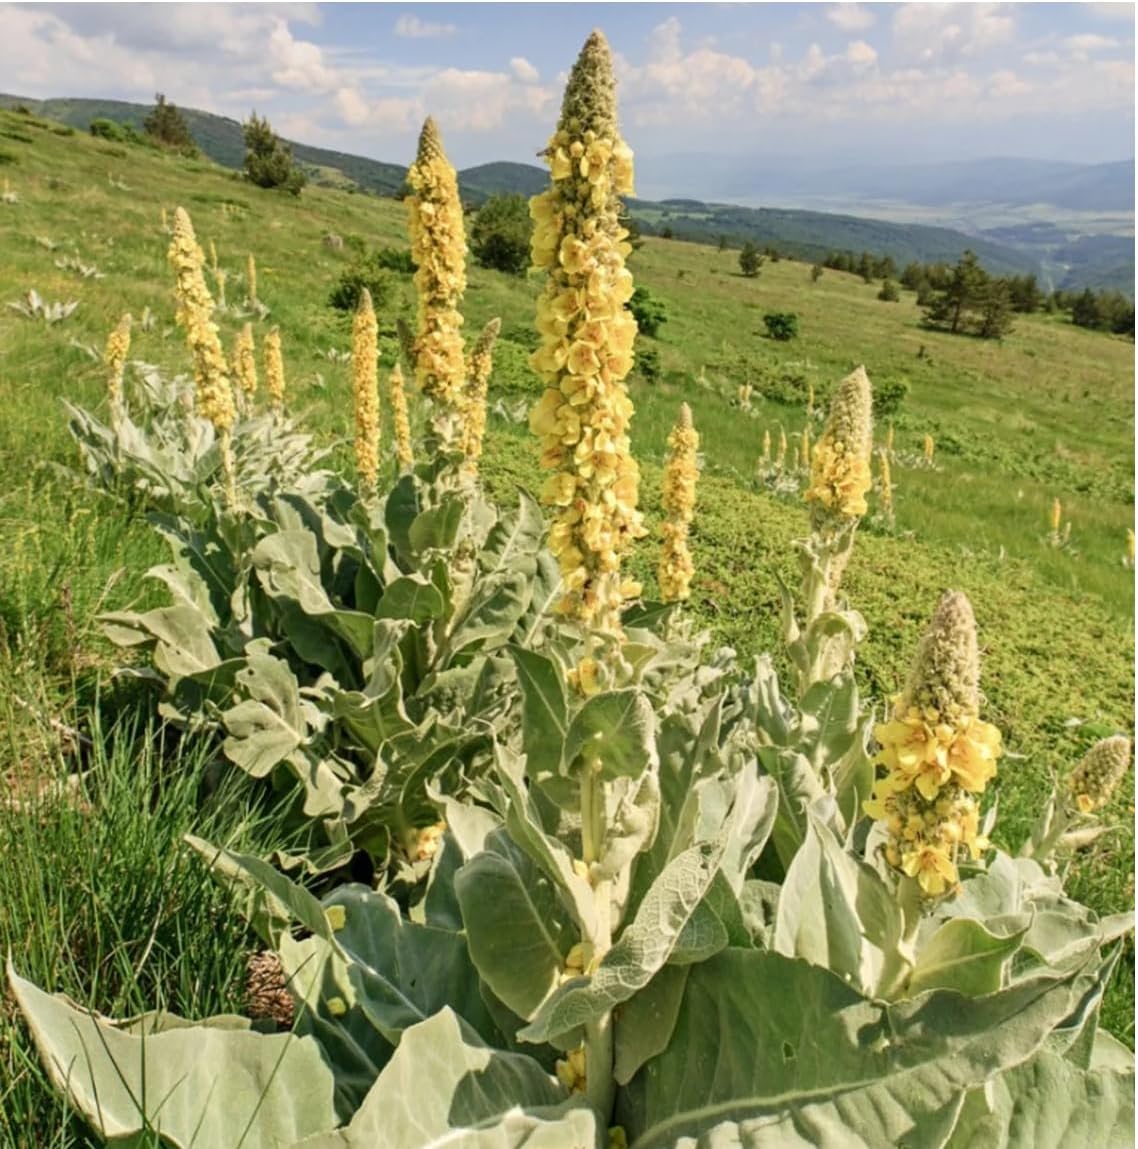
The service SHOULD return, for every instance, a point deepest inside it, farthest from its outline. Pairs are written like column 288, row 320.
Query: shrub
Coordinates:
column 396, row 259
column 888, row 395
column 650, row 312
column 501, row 233
column 781, row 325
column 648, row 363
column 268, row 160
column 364, row 271
column 889, row 292
column 750, row 260
column 104, row 129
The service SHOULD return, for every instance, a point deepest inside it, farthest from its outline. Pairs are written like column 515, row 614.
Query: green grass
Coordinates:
column 1049, row 413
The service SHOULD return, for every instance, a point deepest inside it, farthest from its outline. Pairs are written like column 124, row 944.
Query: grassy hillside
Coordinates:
column 1048, row 413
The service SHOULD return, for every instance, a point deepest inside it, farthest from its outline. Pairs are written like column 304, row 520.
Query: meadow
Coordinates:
column 91, row 869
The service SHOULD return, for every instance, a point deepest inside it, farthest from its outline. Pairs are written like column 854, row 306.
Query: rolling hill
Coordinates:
column 1064, row 258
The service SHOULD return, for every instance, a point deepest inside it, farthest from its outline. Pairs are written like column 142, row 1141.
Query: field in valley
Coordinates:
column 1046, row 414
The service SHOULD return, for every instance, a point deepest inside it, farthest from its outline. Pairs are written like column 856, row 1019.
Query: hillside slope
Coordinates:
column 1049, row 413
column 805, row 234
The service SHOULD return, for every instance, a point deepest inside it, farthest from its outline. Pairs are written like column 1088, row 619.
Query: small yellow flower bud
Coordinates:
column 337, row 917
column 1095, row 779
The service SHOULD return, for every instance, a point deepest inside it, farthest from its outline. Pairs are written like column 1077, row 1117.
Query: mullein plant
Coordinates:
column 822, row 644
column 885, row 485
column 365, row 392
column 587, row 335
column 274, row 370
column 680, row 473
column 251, row 280
column 938, row 756
column 114, row 356
column 213, row 390
column 1068, row 821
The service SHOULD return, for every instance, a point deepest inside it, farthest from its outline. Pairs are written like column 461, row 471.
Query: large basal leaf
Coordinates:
column 515, row 538
column 437, row 528
column 798, row 790
column 183, row 643
column 413, row 598
column 196, row 1085
column 770, row 1052
column 497, row 601
column 1048, row 1103
column 646, row 1022
column 443, row 1087
column 519, row 927
column 616, row 729
column 643, row 948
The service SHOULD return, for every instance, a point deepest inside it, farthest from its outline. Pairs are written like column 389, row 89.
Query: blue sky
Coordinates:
column 817, row 83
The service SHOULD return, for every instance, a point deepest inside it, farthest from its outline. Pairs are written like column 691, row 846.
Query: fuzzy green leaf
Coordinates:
column 616, row 729
column 967, row 956
column 545, row 711
column 196, row 1084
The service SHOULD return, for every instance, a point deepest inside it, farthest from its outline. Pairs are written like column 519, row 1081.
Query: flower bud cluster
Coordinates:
column 587, row 335
column 1093, row 782
column 938, row 755
column 195, row 309
column 680, row 473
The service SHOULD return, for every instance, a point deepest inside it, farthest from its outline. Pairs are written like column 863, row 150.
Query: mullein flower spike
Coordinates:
column 245, row 363
column 938, row 755
column 766, row 446
column 438, row 248
column 930, row 448
column 400, row 423
column 587, row 335
column 274, row 368
column 213, row 391
column 117, row 349
column 839, row 475
column 251, row 278
column 780, row 458
column 1056, row 516
column 680, row 473
column 478, row 370
column 886, row 478
column 365, row 391
column 1093, row 782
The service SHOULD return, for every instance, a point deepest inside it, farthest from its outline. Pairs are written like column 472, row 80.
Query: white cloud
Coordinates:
column 1083, row 46
column 930, row 32
column 861, row 56
column 1115, row 13
column 524, row 70
column 298, row 64
column 412, row 28
column 851, row 17
column 1041, row 59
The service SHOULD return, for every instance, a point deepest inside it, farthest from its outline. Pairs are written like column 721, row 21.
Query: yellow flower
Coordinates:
column 117, row 349
column 274, row 368
column 932, row 867
column 365, row 391
column 399, row 420
column 586, row 348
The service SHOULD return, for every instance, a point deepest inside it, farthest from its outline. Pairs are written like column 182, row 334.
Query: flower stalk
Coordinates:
column 587, row 335
column 213, row 391
column 438, row 248
column 274, row 369
column 251, row 278
column 365, row 392
column 117, row 349
column 245, row 367
column 680, row 473
column 479, row 366
column 401, row 424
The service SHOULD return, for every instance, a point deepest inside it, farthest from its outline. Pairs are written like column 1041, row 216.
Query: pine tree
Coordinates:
column 750, row 260
column 268, row 161
column 167, row 126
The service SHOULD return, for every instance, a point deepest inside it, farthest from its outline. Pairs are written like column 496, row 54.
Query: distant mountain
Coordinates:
column 1061, row 257
column 1107, row 187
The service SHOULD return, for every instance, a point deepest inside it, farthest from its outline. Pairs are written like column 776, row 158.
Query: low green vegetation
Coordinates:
column 1047, row 413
